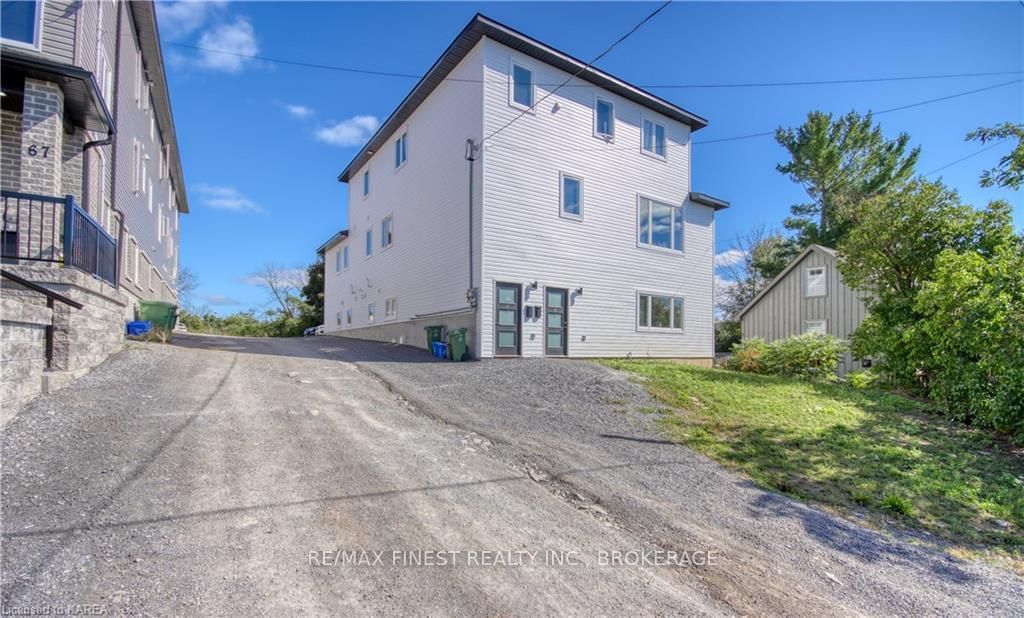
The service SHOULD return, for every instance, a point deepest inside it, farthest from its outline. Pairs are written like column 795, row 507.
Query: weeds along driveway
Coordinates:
column 586, row 434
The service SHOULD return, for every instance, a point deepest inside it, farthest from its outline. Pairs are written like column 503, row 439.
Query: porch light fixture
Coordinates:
column 579, row 291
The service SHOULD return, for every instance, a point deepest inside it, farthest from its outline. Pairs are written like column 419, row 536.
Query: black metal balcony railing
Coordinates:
column 40, row 228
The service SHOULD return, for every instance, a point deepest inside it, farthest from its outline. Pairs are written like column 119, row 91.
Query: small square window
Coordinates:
column 653, row 138
column 572, row 197
column 522, row 86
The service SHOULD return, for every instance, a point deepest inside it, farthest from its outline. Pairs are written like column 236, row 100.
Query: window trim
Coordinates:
column 404, row 141
column 561, row 196
column 371, row 312
column 651, row 247
column 394, row 308
column 344, row 258
column 824, row 326
column 37, row 33
column 348, row 317
column 673, row 296
column 366, row 184
column 606, row 137
column 390, row 220
column 513, row 62
column 645, row 118
column 369, row 243
column 337, row 261
column 807, row 286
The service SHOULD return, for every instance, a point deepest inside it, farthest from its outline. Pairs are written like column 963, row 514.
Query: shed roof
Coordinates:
column 830, row 253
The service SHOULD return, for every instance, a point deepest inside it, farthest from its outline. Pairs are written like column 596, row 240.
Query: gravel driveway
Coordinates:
column 218, row 475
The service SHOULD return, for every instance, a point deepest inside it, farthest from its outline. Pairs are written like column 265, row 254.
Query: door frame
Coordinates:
column 565, row 320
column 519, row 318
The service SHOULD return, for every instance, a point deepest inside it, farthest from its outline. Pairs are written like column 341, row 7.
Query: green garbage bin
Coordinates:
column 161, row 314
column 433, row 334
column 457, row 344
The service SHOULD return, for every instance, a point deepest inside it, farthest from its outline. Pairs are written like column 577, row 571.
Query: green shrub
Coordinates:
column 808, row 355
column 864, row 379
column 898, row 504
column 748, row 355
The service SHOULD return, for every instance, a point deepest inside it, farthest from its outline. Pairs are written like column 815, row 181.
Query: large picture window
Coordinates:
column 659, row 312
column 660, row 225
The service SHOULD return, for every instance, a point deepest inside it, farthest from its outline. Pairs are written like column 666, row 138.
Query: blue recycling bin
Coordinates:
column 138, row 328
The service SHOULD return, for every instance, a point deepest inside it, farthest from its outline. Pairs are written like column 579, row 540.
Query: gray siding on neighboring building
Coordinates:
column 784, row 309
column 59, row 29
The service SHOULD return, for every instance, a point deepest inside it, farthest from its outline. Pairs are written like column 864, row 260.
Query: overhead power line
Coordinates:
column 962, row 159
column 577, row 73
column 399, row 74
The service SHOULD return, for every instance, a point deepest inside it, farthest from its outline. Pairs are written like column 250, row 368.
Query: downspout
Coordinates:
column 471, row 154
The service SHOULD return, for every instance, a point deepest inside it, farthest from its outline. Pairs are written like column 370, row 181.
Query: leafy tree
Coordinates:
column 890, row 253
column 973, row 327
column 313, row 290
column 756, row 258
column 727, row 333
column 1010, row 170
column 839, row 162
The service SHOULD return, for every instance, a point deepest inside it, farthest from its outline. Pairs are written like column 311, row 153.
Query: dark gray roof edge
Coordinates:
column 144, row 15
column 35, row 60
column 831, row 253
column 481, row 26
column 708, row 200
column 333, row 240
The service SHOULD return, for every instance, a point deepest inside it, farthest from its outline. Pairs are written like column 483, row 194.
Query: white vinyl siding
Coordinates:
column 814, row 281
column 597, row 259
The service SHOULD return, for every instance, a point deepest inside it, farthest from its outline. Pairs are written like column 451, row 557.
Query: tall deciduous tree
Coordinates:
column 1010, row 170
column 840, row 162
column 313, row 290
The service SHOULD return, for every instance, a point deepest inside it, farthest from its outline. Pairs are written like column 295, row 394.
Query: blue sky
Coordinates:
column 262, row 143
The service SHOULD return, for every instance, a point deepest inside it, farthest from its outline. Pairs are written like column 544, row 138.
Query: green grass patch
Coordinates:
column 848, row 448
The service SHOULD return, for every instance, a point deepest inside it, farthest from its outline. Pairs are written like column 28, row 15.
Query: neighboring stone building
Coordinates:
column 91, row 179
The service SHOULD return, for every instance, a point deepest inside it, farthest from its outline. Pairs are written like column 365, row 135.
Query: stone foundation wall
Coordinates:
column 82, row 338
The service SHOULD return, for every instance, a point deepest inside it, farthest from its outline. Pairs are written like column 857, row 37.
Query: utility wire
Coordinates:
column 823, row 82
column 577, row 73
column 767, row 133
column 962, row 159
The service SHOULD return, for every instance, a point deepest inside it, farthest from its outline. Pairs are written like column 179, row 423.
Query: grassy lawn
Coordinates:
column 848, row 449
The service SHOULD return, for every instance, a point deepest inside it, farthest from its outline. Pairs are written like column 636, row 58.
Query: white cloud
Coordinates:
column 723, row 285
column 237, row 39
column 352, row 132
column 730, row 257
column 299, row 111
column 183, row 17
column 226, row 198
column 293, row 277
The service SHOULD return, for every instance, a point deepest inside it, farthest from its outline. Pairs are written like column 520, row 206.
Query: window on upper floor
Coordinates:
column 366, row 183
column 344, row 257
column 604, row 119
column 401, row 152
column 660, row 225
column 165, row 161
column 105, row 76
column 390, row 308
column 21, row 21
column 136, row 166
column 572, row 197
column 521, row 86
column 140, row 78
column 814, row 278
column 653, row 138
column 149, row 195
column 337, row 261
column 655, row 311
column 369, row 242
column 387, row 227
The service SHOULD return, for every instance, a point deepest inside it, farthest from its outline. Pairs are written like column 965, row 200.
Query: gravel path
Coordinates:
column 205, row 477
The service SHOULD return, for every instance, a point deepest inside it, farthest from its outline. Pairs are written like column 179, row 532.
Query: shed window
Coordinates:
column 815, row 281
column 816, row 327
